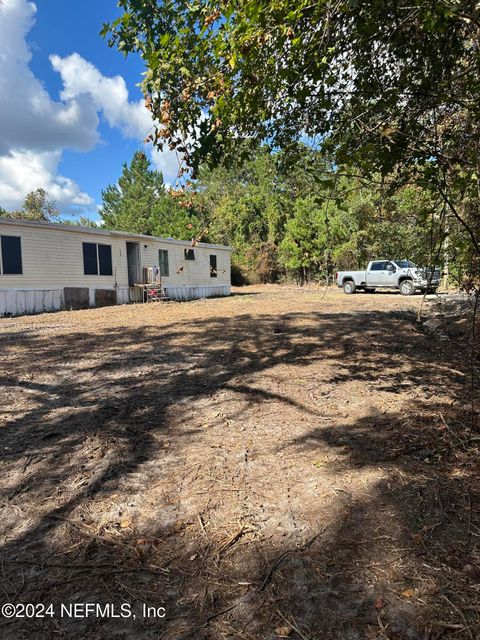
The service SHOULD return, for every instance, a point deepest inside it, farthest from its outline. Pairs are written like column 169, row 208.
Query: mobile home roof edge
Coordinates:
column 106, row 232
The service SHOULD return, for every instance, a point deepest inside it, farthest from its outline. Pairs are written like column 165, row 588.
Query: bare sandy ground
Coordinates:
column 285, row 462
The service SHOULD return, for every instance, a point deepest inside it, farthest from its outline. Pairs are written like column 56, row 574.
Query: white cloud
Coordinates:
column 34, row 129
column 168, row 162
column 29, row 118
column 109, row 95
column 24, row 171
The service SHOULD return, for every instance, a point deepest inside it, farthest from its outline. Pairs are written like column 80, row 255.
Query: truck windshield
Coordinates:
column 404, row 264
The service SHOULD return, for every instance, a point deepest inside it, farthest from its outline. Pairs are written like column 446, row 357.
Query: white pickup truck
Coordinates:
column 390, row 274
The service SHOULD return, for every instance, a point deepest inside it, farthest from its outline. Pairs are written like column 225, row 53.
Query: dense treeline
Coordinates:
column 285, row 221
column 291, row 220
column 297, row 220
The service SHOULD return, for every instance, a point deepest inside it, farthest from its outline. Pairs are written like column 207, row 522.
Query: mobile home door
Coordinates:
column 133, row 262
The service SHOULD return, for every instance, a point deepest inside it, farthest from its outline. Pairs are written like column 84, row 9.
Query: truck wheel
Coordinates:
column 349, row 286
column 369, row 290
column 407, row 288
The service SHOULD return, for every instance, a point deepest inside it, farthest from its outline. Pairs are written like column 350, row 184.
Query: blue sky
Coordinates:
column 70, row 109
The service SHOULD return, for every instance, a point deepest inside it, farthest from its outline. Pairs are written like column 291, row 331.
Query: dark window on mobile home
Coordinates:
column 97, row 259
column 11, row 255
column 105, row 259
column 213, row 266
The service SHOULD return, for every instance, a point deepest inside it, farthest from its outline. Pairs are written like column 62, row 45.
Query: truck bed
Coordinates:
column 359, row 277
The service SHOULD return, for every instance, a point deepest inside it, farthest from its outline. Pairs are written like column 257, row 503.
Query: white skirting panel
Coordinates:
column 123, row 296
column 193, row 293
column 17, row 302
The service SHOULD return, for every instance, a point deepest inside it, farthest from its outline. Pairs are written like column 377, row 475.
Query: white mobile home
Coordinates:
column 46, row 266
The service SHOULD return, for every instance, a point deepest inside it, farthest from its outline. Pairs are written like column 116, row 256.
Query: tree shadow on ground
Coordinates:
column 185, row 466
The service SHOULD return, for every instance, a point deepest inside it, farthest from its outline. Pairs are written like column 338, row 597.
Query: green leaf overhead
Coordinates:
column 375, row 80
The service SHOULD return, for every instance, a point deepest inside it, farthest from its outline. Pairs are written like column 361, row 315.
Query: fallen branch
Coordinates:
column 218, row 614
column 112, row 568
column 245, row 528
column 283, row 555
column 460, row 612
column 447, row 625
column 202, row 526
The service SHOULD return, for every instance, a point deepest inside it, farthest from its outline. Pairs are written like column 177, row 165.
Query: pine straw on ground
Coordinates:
column 281, row 463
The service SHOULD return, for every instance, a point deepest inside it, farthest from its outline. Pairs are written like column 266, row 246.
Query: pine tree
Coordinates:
column 139, row 203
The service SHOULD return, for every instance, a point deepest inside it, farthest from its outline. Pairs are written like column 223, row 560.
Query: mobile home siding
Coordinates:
column 52, row 259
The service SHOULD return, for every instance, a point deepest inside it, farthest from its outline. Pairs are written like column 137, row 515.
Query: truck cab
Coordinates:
column 381, row 273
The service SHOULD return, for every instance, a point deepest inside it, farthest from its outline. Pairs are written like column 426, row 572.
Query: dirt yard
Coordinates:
column 281, row 463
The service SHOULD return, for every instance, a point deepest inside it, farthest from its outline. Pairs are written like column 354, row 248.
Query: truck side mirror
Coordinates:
column 391, row 267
